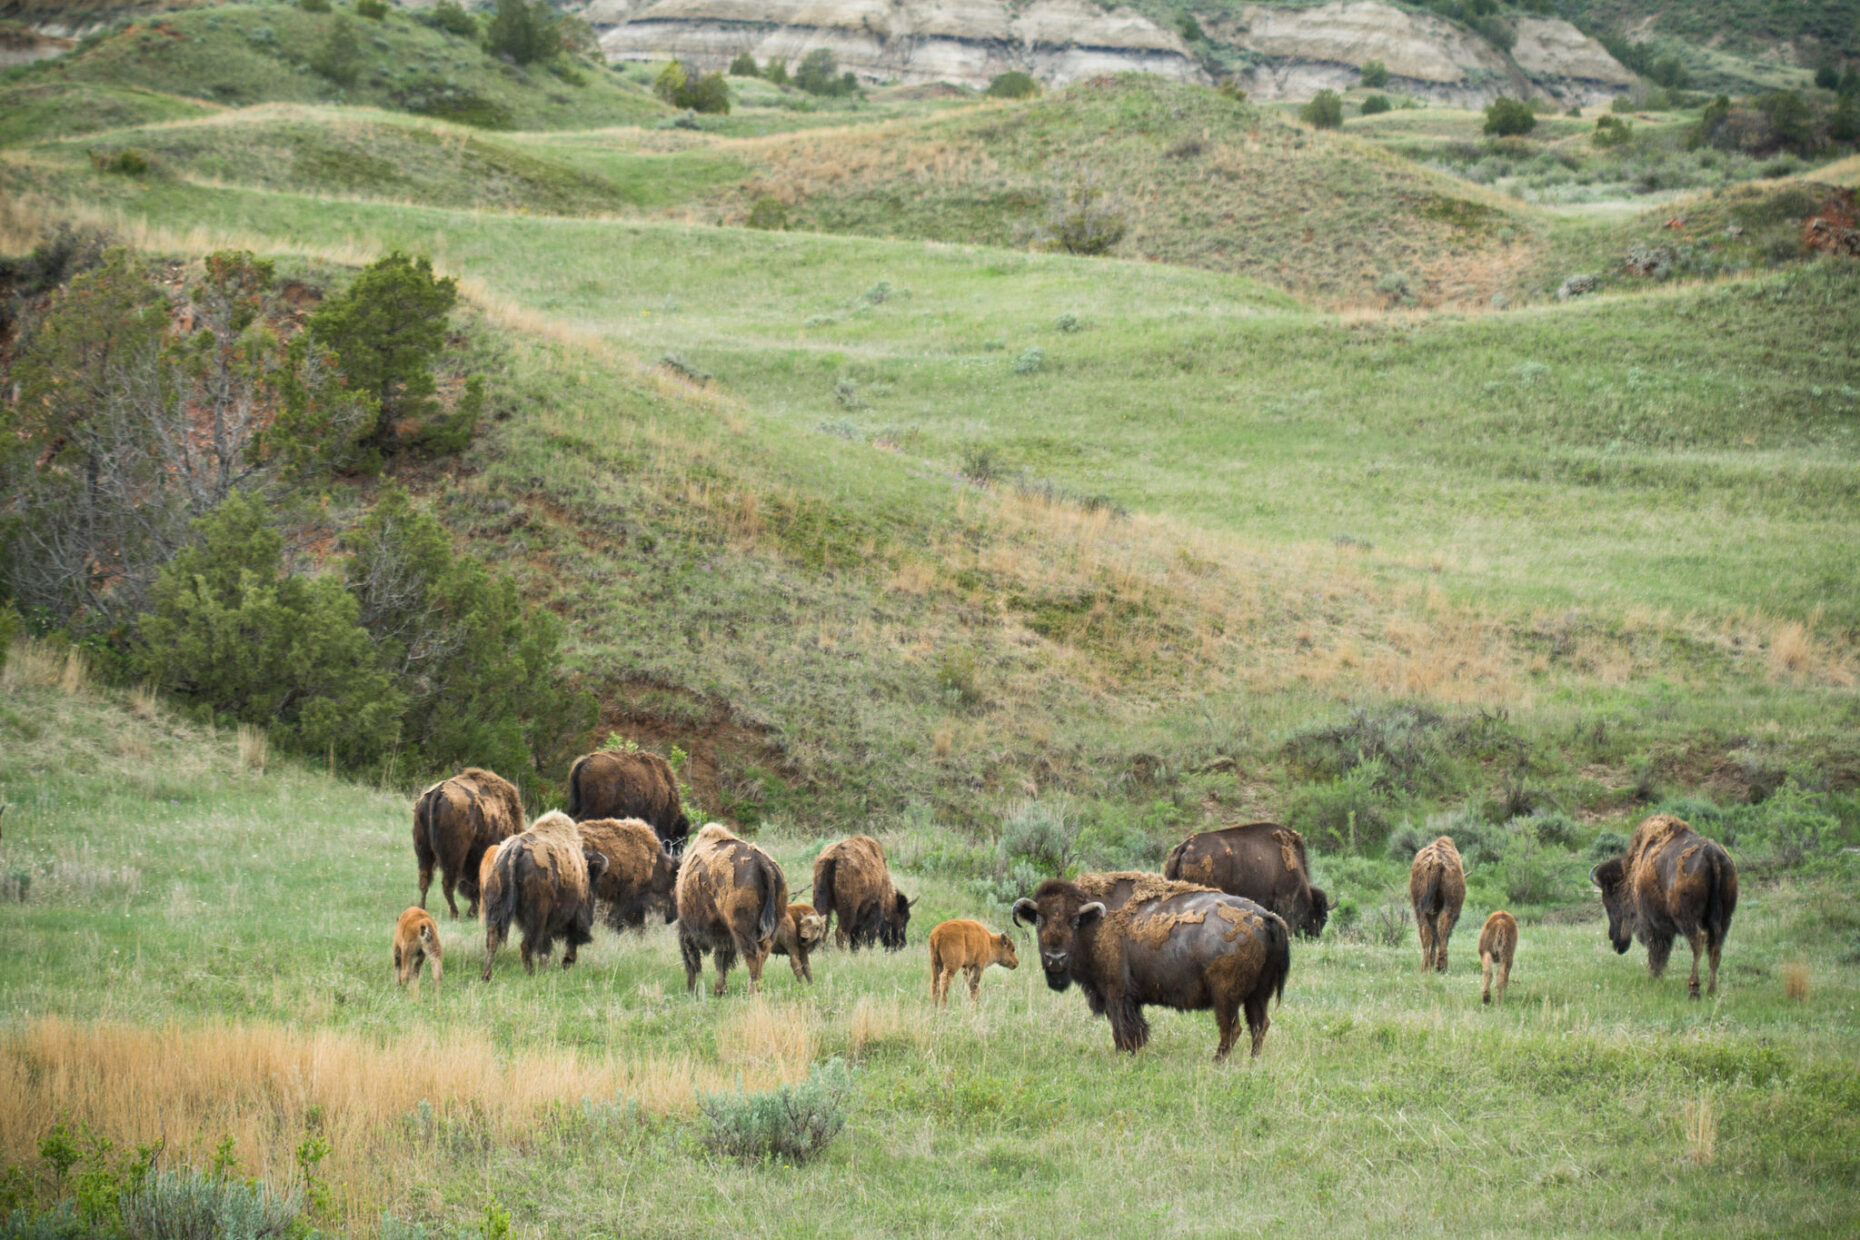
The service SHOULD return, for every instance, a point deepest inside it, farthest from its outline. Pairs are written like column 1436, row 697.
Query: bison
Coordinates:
column 731, row 898
column 800, row 932
column 970, row 947
column 1131, row 940
column 1671, row 881
column 454, row 821
column 852, row 882
column 416, row 942
column 640, row 874
column 543, row 881
column 1437, row 886
column 1498, row 942
column 1262, row 861
column 617, row 784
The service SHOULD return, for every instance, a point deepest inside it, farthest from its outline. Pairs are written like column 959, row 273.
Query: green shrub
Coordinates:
column 1084, row 218
column 1325, row 111
column 1529, row 871
column 788, row 1124
column 190, row 1205
column 523, row 32
column 1606, row 845
column 1787, row 828
column 1013, row 84
column 371, row 10
column 709, row 93
column 451, row 17
column 1376, row 104
column 1375, row 74
column 1505, row 116
column 339, row 58
column 1030, row 361
column 744, row 66
column 1611, row 131
column 776, row 71
column 1346, row 814
column 815, row 75
column 1790, row 122
column 129, row 161
column 314, row 6
column 1413, row 745
column 1041, row 834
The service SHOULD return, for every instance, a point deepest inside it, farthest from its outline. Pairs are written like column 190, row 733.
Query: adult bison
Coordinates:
column 852, row 882
column 542, row 882
column 617, row 784
column 640, row 876
column 454, row 821
column 1131, row 940
column 1437, row 888
column 1262, row 861
column 731, row 899
column 1671, row 881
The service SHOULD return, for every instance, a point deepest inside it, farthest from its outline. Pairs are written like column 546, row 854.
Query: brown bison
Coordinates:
column 1671, row 881
column 416, row 942
column 970, row 947
column 800, row 932
column 731, row 900
column 852, row 882
column 640, row 874
column 1498, row 943
column 1262, row 861
column 1131, row 940
column 1437, row 886
column 543, row 881
column 454, row 821
column 617, row 784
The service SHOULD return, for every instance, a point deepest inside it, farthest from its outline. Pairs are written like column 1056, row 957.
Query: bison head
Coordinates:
column 1313, row 926
column 892, row 921
column 1623, row 916
column 1006, row 957
column 810, row 929
column 1058, row 911
column 597, row 864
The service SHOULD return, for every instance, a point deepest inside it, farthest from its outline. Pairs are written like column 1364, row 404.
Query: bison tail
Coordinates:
column 1721, row 898
column 1172, row 864
column 425, row 819
column 1278, row 955
column 500, row 913
column 1430, row 893
column 823, row 887
column 774, row 907
column 575, row 804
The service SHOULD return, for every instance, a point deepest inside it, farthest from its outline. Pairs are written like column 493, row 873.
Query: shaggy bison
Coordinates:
column 617, row 784
column 454, row 821
column 1437, row 885
column 1671, row 881
column 543, row 881
column 1130, row 940
column 640, row 874
column 1498, row 942
column 970, row 947
column 731, row 900
column 1262, row 861
column 800, row 932
column 416, row 942
column 852, row 882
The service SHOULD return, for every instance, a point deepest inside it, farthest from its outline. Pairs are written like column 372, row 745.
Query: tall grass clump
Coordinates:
column 788, row 1124
column 192, row 1205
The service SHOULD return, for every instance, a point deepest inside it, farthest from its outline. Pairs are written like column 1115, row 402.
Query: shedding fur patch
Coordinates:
column 1291, row 850
column 1239, row 921
column 1154, row 929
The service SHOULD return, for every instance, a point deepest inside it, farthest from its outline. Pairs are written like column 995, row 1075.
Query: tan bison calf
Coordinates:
column 416, row 942
column 800, row 932
column 454, row 821
column 640, row 874
column 970, row 947
column 852, row 881
column 543, row 882
column 1437, row 885
column 1498, row 942
column 731, row 899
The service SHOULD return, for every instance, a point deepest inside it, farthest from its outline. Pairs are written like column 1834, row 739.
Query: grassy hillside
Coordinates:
column 1747, row 26
column 36, row 110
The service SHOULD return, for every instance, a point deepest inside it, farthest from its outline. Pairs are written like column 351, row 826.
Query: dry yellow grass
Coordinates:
column 254, row 749
column 30, row 663
column 775, row 1037
column 1701, row 1130
column 1795, row 980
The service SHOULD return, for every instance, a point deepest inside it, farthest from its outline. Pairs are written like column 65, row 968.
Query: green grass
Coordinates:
column 1384, row 1101
column 35, row 111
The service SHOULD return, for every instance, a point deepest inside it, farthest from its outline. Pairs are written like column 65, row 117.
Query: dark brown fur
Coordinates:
column 800, row 932
column 416, row 942
column 616, row 784
column 852, row 882
column 640, row 877
column 454, row 821
column 968, row 947
column 1165, row 943
column 1672, row 881
column 543, row 881
column 1262, row 861
column 1498, row 943
column 731, row 899
column 1437, row 886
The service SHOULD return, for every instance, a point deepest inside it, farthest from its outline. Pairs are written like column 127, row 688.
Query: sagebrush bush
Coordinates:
column 1607, row 844
column 1375, row 74
column 788, row 1124
column 1346, row 814
column 1376, row 104
column 191, row 1205
column 1044, row 834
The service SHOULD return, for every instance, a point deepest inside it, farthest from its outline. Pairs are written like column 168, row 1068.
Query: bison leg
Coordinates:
column 1504, row 977
column 1257, row 1023
column 724, row 957
column 426, row 880
column 974, row 974
column 1717, row 950
column 1425, row 929
column 1485, row 976
column 1697, row 941
column 939, row 984
column 799, row 964
column 694, row 963
column 1227, row 1016
column 1129, row 1031
column 491, row 944
column 1443, row 931
column 1659, row 948
column 754, row 960
column 448, row 884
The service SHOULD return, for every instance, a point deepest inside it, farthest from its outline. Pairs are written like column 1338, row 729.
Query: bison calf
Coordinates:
column 800, row 932
column 970, row 947
column 1672, row 881
column 1498, row 942
column 1437, row 885
column 416, row 942
column 543, row 882
column 731, row 899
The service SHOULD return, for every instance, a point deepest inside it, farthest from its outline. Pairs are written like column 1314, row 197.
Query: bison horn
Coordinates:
column 1089, row 912
column 1592, row 877
column 1025, row 907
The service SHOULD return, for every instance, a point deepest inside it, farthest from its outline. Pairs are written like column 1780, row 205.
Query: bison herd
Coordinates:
column 1212, row 932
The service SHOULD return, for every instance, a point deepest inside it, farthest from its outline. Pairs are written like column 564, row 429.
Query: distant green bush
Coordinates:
column 1042, row 833
column 523, row 32
column 1013, row 84
column 776, row 71
column 339, row 57
column 130, row 161
column 371, row 10
column 1375, row 74
column 1611, row 131
column 744, row 66
column 816, row 75
column 787, row 1125
column 768, row 213
column 1325, row 111
column 1505, row 116
column 1083, row 217
column 1375, row 104
column 451, row 17
column 1347, row 814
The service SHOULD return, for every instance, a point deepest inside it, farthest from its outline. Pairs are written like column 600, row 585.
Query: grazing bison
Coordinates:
column 970, row 947
column 731, row 900
column 1262, row 861
column 852, row 882
column 1437, row 885
column 800, row 932
column 1498, row 943
column 616, row 784
column 1130, row 940
column 416, row 942
column 454, row 821
column 1671, row 881
column 543, row 881
column 640, row 874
